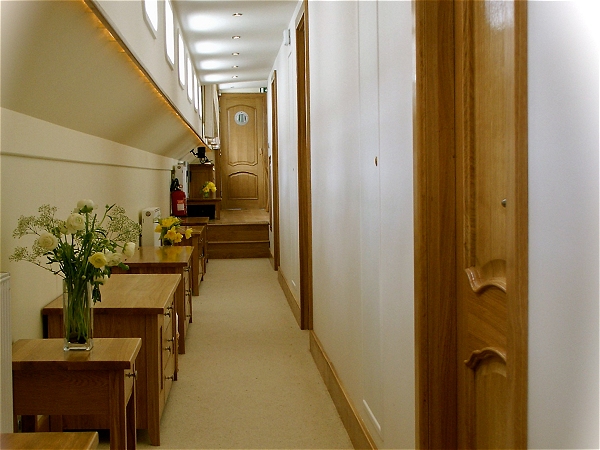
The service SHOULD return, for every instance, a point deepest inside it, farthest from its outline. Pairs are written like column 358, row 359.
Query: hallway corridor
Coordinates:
column 247, row 380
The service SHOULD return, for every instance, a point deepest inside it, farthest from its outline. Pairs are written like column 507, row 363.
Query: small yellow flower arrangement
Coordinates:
column 208, row 187
column 169, row 229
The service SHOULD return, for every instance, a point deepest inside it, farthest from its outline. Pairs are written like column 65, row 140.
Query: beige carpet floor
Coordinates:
column 247, row 380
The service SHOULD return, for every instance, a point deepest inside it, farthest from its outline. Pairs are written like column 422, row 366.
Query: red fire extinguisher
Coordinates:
column 178, row 200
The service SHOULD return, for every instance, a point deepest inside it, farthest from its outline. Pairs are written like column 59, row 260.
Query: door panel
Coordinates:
column 243, row 186
column 243, row 181
column 488, row 65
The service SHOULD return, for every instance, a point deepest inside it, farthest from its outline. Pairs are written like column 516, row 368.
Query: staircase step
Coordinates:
column 238, row 240
column 238, row 249
column 238, row 232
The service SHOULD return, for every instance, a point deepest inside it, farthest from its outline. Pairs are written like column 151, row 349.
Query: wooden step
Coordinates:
column 238, row 232
column 239, row 249
column 238, row 240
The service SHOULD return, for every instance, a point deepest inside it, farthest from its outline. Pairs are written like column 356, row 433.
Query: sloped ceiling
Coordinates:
column 60, row 65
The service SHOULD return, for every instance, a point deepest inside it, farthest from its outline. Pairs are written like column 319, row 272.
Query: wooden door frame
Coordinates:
column 436, row 233
column 304, row 170
column 275, row 172
column 435, row 227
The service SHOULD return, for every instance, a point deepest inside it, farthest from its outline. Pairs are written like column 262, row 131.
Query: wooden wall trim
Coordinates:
column 517, row 222
column 289, row 296
column 357, row 431
column 275, row 172
column 304, row 172
column 435, row 226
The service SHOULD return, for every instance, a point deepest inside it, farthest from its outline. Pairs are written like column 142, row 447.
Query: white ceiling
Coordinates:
column 208, row 27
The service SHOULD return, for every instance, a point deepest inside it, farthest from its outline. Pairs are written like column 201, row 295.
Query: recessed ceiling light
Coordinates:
column 235, row 76
column 237, row 15
column 235, row 54
column 235, row 37
column 234, row 67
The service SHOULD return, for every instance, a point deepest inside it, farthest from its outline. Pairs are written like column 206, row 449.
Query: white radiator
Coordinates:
column 6, row 413
column 149, row 219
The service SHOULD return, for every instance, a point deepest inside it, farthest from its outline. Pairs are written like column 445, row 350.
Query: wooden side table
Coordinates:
column 166, row 260
column 198, row 241
column 140, row 306
column 48, row 380
column 196, row 223
column 84, row 440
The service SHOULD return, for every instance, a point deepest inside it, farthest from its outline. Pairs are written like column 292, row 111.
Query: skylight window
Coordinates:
column 151, row 10
column 181, row 59
column 190, row 84
column 169, row 32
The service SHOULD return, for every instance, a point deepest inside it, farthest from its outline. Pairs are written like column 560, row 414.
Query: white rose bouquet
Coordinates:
column 82, row 248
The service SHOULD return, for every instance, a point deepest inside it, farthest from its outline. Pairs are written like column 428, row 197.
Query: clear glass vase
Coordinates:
column 78, row 315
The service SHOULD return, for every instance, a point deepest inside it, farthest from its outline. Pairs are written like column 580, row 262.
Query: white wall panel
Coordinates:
column 128, row 19
column 370, row 216
column 563, row 225
column 30, row 180
column 396, row 77
column 336, row 186
column 362, row 70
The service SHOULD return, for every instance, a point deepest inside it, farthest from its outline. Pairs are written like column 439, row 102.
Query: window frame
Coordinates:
column 200, row 104
column 190, row 77
column 181, row 69
column 196, row 92
column 147, row 17
column 170, row 24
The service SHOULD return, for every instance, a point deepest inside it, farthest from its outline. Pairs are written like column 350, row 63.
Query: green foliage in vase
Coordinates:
column 83, row 247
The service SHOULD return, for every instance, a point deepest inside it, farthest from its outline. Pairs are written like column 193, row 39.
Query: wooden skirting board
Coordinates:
column 357, row 431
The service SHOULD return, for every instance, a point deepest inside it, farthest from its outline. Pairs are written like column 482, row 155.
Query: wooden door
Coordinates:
column 471, row 223
column 491, row 164
column 243, row 151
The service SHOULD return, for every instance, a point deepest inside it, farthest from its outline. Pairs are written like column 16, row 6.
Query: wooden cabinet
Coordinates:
column 200, row 227
column 197, row 203
column 203, row 248
column 200, row 174
column 198, row 241
column 167, row 259
column 48, row 380
column 135, row 305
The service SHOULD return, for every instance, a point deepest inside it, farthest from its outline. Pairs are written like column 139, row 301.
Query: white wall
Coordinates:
column 45, row 163
column 128, row 18
column 285, row 65
column 361, row 87
column 563, row 227
column 361, row 72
